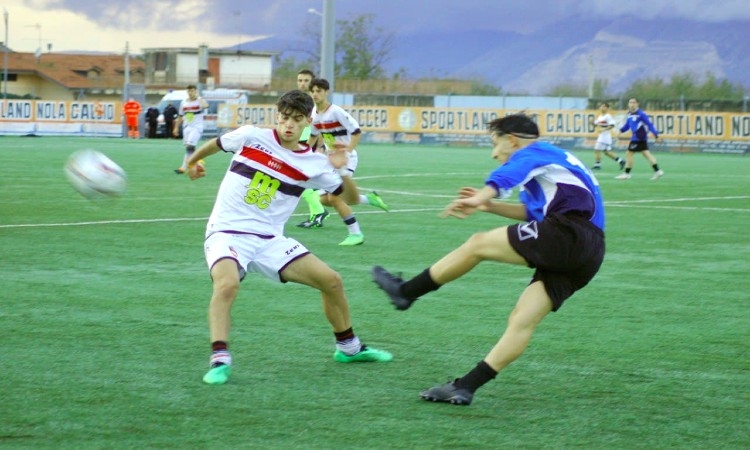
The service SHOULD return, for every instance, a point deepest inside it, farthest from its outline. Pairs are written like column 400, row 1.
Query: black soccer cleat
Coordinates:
column 315, row 221
column 448, row 393
column 391, row 284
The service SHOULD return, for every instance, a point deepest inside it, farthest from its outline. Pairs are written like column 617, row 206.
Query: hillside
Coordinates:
column 568, row 52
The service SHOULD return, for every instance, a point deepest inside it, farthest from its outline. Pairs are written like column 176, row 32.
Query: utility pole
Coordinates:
column 126, row 86
column 328, row 44
column 5, row 57
column 125, row 93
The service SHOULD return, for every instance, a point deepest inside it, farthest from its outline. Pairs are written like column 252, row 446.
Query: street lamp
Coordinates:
column 328, row 45
column 5, row 57
column 327, row 41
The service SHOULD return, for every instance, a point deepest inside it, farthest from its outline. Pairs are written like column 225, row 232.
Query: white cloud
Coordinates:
column 68, row 31
column 105, row 25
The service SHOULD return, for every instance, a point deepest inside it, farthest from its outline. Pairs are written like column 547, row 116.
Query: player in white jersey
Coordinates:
column 311, row 197
column 190, row 117
column 269, row 171
column 337, row 131
column 604, row 125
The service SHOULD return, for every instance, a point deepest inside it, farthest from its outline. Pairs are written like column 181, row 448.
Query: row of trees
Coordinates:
column 679, row 86
column 362, row 50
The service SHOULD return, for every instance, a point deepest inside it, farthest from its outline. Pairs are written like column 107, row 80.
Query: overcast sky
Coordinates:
column 106, row 25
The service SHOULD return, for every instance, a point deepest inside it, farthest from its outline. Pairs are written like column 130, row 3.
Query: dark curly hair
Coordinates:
column 295, row 101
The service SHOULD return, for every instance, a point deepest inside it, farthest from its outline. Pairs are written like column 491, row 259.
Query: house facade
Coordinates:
column 170, row 67
column 101, row 77
column 64, row 76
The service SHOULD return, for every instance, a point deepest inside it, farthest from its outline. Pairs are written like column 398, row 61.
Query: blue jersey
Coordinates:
column 639, row 124
column 551, row 180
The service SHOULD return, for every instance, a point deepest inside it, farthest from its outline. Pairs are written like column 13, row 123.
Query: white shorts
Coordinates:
column 253, row 253
column 603, row 144
column 351, row 165
column 191, row 135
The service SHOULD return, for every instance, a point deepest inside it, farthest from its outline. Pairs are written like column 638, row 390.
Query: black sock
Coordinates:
column 216, row 347
column 656, row 167
column 419, row 285
column 345, row 335
column 628, row 169
column 477, row 377
column 219, row 345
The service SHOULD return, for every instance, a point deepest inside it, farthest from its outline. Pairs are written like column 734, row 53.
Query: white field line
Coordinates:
column 615, row 204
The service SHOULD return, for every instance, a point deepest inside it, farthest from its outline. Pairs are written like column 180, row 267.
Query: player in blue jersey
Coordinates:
column 561, row 237
column 639, row 125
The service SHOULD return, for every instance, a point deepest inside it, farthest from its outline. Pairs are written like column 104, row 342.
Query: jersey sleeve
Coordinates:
column 511, row 174
column 235, row 140
column 648, row 123
column 626, row 125
column 346, row 119
column 329, row 180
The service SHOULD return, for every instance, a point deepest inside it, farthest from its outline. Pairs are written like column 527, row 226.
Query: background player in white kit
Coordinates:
column 604, row 124
column 190, row 117
column 340, row 133
column 245, row 233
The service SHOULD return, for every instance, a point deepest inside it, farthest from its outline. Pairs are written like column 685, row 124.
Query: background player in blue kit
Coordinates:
column 639, row 125
column 562, row 238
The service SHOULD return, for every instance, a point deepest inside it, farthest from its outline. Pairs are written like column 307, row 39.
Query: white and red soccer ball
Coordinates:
column 94, row 175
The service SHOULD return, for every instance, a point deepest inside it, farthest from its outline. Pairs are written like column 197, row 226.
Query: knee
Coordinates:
column 477, row 241
column 225, row 289
column 332, row 283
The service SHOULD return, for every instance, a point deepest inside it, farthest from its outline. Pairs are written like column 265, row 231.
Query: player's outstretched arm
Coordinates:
column 196, row 169
column 504, row 209
column 469, row 201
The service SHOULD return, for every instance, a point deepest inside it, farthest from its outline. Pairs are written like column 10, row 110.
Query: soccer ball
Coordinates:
column 94, row 175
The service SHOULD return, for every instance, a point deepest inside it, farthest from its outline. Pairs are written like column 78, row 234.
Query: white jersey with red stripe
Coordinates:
column 335, row 125
column 263, row 184
column 605, row 135
column 192, row 113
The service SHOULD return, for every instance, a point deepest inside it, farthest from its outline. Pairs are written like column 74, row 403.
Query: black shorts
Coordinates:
column 566, row 251
column 637, row 146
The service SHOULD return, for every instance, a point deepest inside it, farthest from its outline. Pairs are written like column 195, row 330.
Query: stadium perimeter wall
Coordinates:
column 681, row 131
column 713, row 132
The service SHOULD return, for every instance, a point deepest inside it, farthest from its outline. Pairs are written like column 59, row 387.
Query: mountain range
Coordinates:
column 571, row 52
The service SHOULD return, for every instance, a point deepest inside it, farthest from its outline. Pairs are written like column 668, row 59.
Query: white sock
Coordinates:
column 220, row 357
column 354, row 228
column 349, row 347
column 363, row 200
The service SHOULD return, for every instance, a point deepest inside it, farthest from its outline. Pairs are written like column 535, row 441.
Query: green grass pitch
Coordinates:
column 104, row 333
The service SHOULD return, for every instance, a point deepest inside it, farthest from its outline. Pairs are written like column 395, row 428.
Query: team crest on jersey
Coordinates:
column 261, row 190
column 528, row 231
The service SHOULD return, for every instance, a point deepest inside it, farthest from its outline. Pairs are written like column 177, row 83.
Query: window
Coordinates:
column 160, row 60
